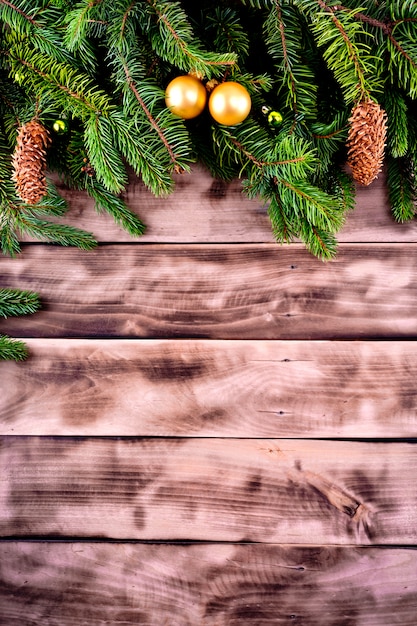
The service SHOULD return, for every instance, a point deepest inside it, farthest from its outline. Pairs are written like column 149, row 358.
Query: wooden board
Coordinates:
column 218, row 292
column 202, row 209
column 263, row 490
column 212, row 388
column 215, row 585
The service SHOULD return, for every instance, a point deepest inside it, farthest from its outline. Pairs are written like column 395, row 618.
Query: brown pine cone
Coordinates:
column 366, row 141
column 29, row 162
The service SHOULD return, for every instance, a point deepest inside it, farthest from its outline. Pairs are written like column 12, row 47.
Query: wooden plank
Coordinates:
column 223, row 292
column 74, row 584
column 270, row 490
column 211, row 388
column 202, row 209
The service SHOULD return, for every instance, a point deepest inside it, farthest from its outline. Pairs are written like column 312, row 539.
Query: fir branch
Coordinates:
column 402, row 188
column 177, row 43
column 329, row 139
column 405, row 61
column 12, row 349
column 385, row 27
column 9, row 242
column 78, row 21
column 318, row 207
column 117, row 208
column 284, row 39
column 397, row 132
column 284, row 228
column 61, row 234
column 229, row 34
column 345, row 53
column 15, row 302
column 319, row 242
column 100, row 138
column 288, row 153
column 65, row 84
column 17, row 10
column 177, row 167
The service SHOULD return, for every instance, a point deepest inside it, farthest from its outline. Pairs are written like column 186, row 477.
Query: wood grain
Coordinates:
column 203, row 209
column 211, row 388
column 205, row 585
column 270, row 490
column 219, row 292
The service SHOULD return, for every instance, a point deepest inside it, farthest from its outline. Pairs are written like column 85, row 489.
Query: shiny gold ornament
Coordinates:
column 229, row 103
column 186, row 96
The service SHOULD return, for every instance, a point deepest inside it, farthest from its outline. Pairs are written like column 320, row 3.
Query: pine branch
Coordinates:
column 15, row 302
column 104, row 66
column 173, row 40
column 177, row 167
column 318, row 207
column 342, row 40
column 402, row 47
column 329, row 139
column 54, row 233
column 16, row 17
column 100, row 137
column 402, row 188
column 284, row 38
column 284, row 227
column 61, row 82
column 397, row 133
column 115, row 206
column 9, row 242
column 318, row 242
column 229, row 34
column 12, row 349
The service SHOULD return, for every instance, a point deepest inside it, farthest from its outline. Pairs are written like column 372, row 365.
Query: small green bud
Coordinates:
column 60, row 126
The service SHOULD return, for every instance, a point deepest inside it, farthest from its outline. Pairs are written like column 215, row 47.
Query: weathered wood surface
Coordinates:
column 237, row 448
column 264, row 490
column 205, row 585
column 211, row 388
column 202, row 209
column 223, row 292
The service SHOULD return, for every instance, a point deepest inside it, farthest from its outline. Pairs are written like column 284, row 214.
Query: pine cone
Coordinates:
column 29, row 162
column 366, row 141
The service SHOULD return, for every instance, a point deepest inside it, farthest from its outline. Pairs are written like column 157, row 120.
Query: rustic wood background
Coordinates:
column 212, row 429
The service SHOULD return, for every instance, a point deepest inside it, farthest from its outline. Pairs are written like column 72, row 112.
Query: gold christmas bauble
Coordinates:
column 186, row 96
column 229, row 103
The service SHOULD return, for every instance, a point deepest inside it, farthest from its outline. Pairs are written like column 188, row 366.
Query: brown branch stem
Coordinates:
column 15, row 8
column 252, row 158
column 151, row 119
column 386, row 27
